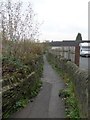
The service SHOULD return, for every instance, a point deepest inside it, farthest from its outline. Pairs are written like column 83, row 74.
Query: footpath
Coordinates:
column 47, row 104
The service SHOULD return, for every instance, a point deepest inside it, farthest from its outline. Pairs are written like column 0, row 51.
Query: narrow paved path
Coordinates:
column 47, row 104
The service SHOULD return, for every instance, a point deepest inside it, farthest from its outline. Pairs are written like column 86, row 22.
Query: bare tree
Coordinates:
column 17, row 25
column 17, row 19
column 30, row 25
column 3, row 21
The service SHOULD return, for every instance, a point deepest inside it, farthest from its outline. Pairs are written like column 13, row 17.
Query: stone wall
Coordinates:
column 14, row 94
column 22, row 89
column 79, row 79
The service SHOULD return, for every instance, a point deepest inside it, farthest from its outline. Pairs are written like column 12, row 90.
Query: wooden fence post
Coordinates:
column 69, row 53
column 62, row 51
column 77, row 54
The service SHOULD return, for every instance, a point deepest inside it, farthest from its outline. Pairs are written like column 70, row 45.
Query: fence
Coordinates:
column 65, row 52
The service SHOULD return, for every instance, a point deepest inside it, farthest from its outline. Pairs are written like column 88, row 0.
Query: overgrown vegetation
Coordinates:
column 71, row 103
column 67, row 94
column 22, row 55
column 16, row 68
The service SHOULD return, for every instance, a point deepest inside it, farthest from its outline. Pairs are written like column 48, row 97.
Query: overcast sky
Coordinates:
column 62, row 19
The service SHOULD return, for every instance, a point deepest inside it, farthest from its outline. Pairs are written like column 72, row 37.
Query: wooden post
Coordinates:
column 77, row 54
column 62, row 51
column 69, row 53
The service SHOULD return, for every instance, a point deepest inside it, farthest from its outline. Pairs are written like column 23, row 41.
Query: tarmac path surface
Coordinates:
column 47, row 104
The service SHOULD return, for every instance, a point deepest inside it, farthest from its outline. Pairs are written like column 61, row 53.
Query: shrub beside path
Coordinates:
column 47, row 104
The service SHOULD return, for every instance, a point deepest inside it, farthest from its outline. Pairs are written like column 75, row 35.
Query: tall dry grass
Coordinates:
column 23, row 50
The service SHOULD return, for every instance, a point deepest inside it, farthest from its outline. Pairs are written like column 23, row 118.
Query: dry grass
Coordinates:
column 22, row 49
